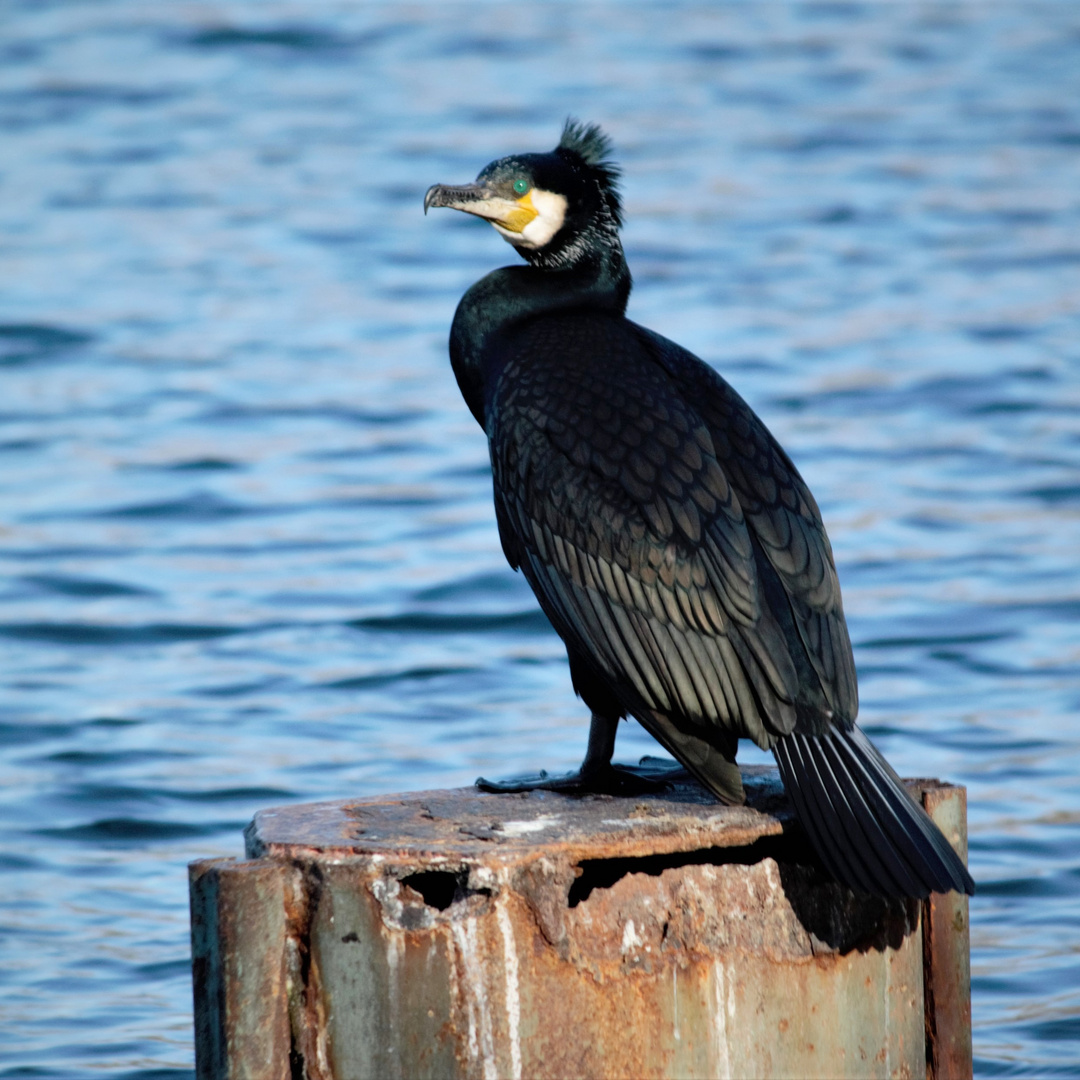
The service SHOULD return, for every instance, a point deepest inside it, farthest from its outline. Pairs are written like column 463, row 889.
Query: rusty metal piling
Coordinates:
column 459, row 934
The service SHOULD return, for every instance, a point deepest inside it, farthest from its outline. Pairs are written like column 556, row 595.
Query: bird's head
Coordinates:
column 552, row 207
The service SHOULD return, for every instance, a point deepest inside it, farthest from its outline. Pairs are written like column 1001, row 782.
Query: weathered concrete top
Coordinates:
column 464, row 823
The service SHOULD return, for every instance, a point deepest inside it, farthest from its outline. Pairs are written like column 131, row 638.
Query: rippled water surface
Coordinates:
column 247, row 540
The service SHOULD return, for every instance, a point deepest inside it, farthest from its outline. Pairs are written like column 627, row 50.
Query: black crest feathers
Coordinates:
column 588, row 143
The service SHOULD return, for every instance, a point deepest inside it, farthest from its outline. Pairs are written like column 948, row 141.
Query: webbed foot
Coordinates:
column 650, row 776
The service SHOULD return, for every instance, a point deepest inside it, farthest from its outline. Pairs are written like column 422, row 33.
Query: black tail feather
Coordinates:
column 892, row 803
column 818, row 815
column 886, row 864
column 869, row 832
column 877, row 854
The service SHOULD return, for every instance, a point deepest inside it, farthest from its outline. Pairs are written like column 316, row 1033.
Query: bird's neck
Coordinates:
column 599, row 280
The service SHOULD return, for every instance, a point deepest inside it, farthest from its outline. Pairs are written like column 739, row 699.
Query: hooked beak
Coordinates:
column 480, row 199
column 456, row 196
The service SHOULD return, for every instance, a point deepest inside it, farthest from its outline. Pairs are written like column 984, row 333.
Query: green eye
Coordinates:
column 521, row 186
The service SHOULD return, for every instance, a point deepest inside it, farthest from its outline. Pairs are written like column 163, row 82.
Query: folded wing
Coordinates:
column 611, row 498
column 781, row 513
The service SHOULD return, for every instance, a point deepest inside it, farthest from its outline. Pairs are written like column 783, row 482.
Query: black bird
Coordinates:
column 667, row 535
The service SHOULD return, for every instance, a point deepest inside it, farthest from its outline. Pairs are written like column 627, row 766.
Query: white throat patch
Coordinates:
column 550, row 214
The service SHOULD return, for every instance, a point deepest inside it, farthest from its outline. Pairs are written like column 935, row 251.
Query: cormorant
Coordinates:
column 667, row 535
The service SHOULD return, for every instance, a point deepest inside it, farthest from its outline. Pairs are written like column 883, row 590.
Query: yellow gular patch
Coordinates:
column 521, row 215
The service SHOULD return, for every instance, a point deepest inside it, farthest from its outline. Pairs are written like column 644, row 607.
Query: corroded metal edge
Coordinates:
column 947, row 951
column 240, row 968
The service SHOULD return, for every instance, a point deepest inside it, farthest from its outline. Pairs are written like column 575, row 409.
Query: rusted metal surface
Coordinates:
column 467, row 824
column 946, row 951
column 239, row 938
column 459, row 934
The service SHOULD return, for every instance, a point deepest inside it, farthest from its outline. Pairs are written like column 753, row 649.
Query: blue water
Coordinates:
column 248, row 550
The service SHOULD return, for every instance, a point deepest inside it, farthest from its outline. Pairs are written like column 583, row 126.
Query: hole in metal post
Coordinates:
column 441, row 888
column 437, row 887
column 603, row 873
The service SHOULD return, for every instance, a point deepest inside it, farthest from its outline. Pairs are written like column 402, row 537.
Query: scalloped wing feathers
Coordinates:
column 624, row 499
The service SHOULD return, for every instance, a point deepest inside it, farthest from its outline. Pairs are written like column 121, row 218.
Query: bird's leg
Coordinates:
column 597, row 774
column 602, row 732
